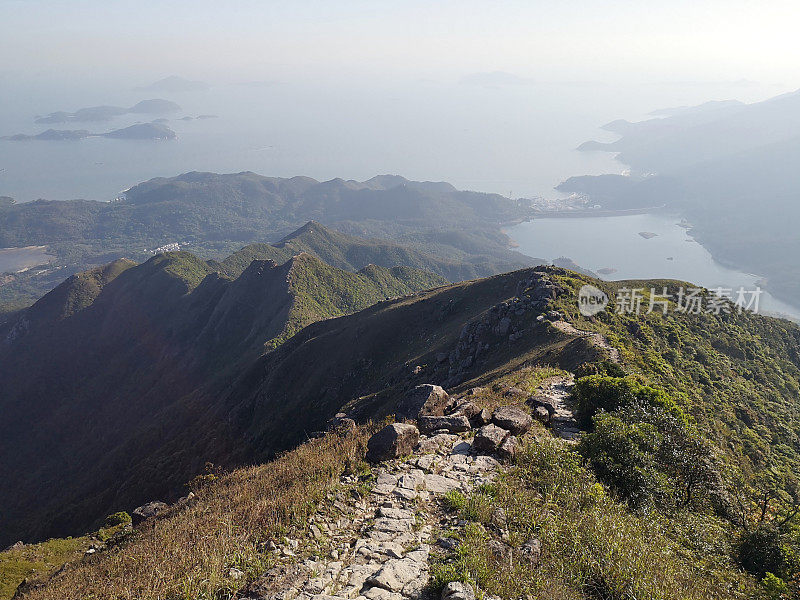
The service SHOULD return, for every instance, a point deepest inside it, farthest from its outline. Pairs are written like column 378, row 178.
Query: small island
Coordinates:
column 140, row 131
column 94, row 114
column 648, row 234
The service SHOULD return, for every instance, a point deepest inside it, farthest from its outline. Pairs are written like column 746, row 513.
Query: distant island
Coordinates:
column 173, row 83
column 93, row 114
column 140, row 131
column 648, row 234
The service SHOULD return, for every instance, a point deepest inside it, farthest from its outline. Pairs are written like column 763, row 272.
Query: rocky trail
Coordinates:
column 375, row 544
column 556, row 392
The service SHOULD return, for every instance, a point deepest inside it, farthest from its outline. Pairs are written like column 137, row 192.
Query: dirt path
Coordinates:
column 376, row 546
column 594, row 338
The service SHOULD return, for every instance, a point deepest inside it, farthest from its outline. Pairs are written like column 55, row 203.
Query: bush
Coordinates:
column 602, row 392
column 649, row 456
column 118, row 518
column 760, row 551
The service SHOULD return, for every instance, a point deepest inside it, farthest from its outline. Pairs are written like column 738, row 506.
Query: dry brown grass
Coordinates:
column 189, row 554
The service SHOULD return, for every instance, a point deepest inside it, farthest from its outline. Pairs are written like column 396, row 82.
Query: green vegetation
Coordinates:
column 592, row 546
column 432, row 226
column 736, row 377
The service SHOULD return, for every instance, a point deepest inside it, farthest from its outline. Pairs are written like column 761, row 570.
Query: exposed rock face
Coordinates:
column 393, row 441
column 515, row 420
column 489, row 438
column 456, row 590
column 451, row 424
column 503, row 323
column 425, row 399
column 151, row 509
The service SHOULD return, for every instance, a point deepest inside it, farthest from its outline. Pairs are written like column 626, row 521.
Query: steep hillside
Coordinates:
column 348, row 252
column 89, row 372
column 664, row 465
column 216, row 214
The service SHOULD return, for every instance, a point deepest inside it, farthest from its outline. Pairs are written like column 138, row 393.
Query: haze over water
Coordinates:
column 514, row 139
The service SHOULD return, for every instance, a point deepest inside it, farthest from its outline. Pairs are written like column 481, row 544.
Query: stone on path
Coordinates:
column 425, row 399
column 515, row 420
column 451, row 424
column 393, row 441
column 456, row 590
column 489, row 438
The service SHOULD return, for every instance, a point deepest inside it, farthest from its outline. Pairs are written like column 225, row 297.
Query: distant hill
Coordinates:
column 215, row 215
column 348, row 252
column 727, row 167
column 139, row 131
column 88, row 372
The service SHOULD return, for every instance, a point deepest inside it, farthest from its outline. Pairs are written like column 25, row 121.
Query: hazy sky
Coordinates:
column 675, row 40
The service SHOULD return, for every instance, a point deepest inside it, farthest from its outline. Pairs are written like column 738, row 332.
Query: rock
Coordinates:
column 16, row 546
column 508, row 449
column 504, row 326
column 456, row 590
column 447, row 543
column 146, row 511
column 341, row 424
column 425, row 399
column 514, row 392
column 395, row 574
column 516, row 420
column 468, row 409
column 185, row 499
column 393, row 441
column 541, row 415
column 498, row 550
column 489, row 438
column 441, row 357
column 544, row 402
column 531, row 551
column 451, row 424
column 482, row 418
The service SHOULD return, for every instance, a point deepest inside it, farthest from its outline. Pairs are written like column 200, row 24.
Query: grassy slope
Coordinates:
column 191, row 552
column 168, row 335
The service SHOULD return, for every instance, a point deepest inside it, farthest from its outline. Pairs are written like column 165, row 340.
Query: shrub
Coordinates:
column 602, row 392
column 118, row 518
column 760, row 551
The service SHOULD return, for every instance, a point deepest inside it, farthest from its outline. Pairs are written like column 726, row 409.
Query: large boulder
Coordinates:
column 393, row 441
column 146, row 511
column 516, row 420
column 425, row 399
column 451, row 424
column 489, row 438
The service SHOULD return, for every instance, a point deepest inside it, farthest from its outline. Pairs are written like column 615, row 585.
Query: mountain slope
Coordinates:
column 84, row 384
column 216, row 214
column 684, row 476
column 348, row 252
